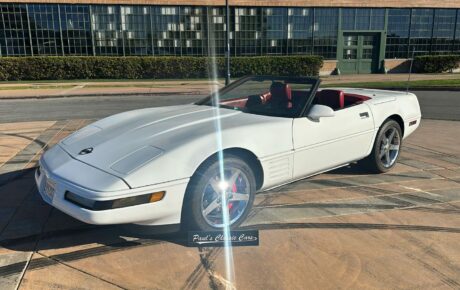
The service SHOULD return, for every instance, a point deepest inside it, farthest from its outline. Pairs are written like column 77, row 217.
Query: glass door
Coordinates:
column 360, row 53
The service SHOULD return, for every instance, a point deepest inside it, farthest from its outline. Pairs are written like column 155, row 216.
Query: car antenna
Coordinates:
column 410, row 70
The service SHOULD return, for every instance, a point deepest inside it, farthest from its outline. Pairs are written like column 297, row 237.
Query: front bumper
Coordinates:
column 164, row 212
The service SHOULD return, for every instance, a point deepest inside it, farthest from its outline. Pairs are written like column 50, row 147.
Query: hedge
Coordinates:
column 100, row 67
column 436, row 63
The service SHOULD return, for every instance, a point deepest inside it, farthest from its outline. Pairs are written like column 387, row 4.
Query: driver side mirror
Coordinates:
column 320, row 111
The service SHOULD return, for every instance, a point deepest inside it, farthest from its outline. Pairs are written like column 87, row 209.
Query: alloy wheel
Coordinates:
column 230, row 194
column 389, row 147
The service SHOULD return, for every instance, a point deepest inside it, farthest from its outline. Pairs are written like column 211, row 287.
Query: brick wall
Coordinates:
column 399, row 65
column 328, row 67
column 304, row 3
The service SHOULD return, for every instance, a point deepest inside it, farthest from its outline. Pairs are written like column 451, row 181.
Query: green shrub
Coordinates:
column 65, row 68
column 436, row 63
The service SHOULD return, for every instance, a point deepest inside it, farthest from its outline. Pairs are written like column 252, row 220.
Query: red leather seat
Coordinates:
column 331, row 98
column 281, row 95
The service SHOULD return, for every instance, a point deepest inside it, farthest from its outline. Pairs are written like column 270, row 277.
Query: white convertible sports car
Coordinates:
column 200, row 165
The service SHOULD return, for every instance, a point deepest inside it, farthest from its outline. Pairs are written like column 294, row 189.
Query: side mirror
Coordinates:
column 320, row 111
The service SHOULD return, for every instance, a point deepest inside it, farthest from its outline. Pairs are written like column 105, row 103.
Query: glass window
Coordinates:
column 166, row 34
column 350, row 53
column 76, row 29
column 14, row 32
column 182, row 30
column 300, row 30
column 136, row 29
column 248, row 32
column 368, row 40
column 217, row 32
column 456, row 48
column 377, row 19
column 275, row 24
column 325, row 29
column 368, row 53
column 421, row 23
column 45, row 29
column 348, row 19
column 108, row 39
column 363, row 19
column 421, row 31
column 192, row 23
column 443, row 31
column 350, row 40
column 398, row 33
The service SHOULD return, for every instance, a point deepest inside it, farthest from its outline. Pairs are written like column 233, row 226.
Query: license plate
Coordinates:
column 50, row 188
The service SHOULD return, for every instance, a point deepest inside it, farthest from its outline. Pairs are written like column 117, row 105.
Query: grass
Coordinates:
column 32, row 87
column 43, row 86
column 99, row 83
column 68, row 84
column 107, row 81
column 399, row 84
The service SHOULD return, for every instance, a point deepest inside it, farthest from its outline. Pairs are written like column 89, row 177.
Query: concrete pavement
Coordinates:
column 344, row 229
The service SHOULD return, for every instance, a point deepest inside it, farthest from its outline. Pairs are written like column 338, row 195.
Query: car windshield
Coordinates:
column 270, row 96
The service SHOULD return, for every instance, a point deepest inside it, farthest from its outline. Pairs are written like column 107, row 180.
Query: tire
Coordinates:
column 202, row 209
column 385, row 152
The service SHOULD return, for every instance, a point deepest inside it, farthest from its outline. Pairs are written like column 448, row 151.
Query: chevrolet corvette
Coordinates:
column 200, row 165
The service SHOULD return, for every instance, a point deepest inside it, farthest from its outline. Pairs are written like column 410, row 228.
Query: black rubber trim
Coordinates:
column 108, row 204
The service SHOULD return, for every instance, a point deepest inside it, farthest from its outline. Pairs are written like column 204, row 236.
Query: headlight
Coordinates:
column 115, row 203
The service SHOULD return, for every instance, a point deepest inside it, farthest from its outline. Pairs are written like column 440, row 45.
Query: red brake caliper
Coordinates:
column 230, row 204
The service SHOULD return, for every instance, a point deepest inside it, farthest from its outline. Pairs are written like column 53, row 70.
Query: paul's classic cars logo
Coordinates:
column 86, row 151
column 218, row 239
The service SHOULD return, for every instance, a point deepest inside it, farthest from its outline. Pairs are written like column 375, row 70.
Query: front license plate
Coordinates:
column 50, row 188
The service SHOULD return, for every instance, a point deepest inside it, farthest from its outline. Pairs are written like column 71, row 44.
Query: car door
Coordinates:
column 332, row 141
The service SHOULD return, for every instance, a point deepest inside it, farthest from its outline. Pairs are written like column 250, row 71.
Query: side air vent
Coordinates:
column 279, row 168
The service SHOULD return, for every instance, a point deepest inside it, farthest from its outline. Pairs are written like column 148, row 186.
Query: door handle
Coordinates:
column 364, row 115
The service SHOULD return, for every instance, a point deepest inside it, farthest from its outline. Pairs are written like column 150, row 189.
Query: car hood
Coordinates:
column 121, row 143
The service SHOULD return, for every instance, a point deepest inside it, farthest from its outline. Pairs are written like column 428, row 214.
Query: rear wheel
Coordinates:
column 213, row 202
column 387, row 146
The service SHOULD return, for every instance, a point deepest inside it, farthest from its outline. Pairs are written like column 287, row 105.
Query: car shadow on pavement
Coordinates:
column 351, row 169
column 54, row 230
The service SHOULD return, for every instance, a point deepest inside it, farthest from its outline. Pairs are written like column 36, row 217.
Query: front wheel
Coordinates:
column 213, row 202
column 387, row 146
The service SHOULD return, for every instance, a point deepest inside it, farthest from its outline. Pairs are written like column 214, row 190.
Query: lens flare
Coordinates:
column 223, row 184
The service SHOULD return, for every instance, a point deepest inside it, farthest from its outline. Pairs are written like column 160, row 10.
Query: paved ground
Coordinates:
column 442, row 105
column 92, row 88
column 344, row 229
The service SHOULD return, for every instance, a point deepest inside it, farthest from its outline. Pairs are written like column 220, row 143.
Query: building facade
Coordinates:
column 354, row 35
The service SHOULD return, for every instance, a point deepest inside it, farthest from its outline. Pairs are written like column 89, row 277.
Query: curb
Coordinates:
column 101, row 95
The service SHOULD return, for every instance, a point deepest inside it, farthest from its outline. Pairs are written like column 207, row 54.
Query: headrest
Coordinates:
column 254, row 101
column 332, row 98
column 281, row 94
